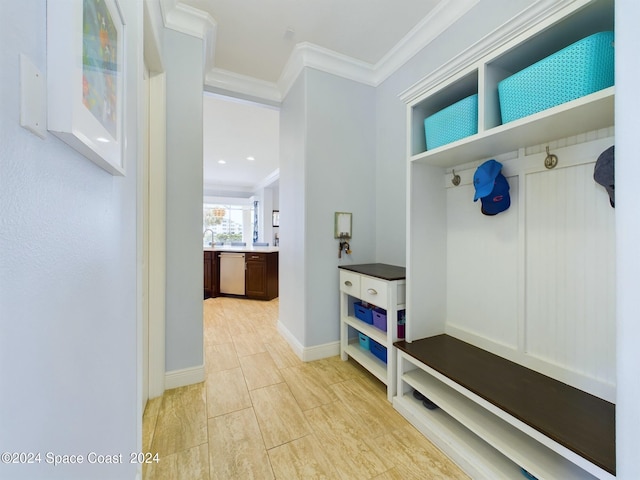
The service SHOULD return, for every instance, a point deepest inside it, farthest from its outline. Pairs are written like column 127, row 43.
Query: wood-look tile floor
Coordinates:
column 263, row 414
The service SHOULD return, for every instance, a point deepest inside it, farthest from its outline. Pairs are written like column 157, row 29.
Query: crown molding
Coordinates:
column 267, row 181
column 213, row 190
column 539, row 12
column 224, row 82
column 241, row 191
column 309, row 55
column 304, row 55
column 439, row 19
column 194, row 22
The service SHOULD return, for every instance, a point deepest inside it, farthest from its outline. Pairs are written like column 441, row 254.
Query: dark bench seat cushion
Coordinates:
column 575, row 419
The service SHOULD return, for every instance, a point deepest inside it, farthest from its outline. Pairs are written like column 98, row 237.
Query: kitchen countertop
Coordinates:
column 247, row 249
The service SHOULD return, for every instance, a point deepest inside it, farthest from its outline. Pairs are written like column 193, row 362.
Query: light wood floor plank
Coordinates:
column 302, row 459
column 281, row 353
column 182, row 420
column 149, row 419
column 226, row 392
column 216, row 333
column 333, row 370
column 260, row 370
column 236, row 449
column 362, row 398
column 220, row 357
column 415, row 457
column 307, row 388
column 278, row 414
column 248, row 344
column 262, row 413
column 345, row 442
column 191, row 464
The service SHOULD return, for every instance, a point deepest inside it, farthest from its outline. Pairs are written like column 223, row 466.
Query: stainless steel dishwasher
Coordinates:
column 232, row 269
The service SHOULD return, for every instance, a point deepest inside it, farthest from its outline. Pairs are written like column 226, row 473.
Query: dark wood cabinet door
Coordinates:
column 208, row 274
column 215, row 274
column 256, row 276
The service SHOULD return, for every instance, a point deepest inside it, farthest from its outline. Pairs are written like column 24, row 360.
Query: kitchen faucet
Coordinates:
column 205, row 232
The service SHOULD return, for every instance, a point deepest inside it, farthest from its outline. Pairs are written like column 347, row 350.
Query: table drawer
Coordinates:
column 374, row 291
column 350, row 283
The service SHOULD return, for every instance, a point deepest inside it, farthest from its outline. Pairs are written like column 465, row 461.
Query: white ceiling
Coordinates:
column 255, row 41
column 252, row 36
column 233, row 131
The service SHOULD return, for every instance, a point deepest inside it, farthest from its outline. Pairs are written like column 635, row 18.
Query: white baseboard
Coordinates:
column 309, row 354
column 183, row 377
column 297, row 347
column 318, row 352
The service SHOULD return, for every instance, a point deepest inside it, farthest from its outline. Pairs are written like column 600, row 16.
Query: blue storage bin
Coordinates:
column 380, row 319
column 581, row 68
column 452, row 123
column 364, row 340
column 363, row 313
column 378, row 350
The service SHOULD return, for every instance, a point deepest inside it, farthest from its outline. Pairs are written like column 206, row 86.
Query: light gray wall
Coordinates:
column 68, row 298
column 184, row 310
column 292, row 198
column 340, row 174
column 327, row 165
column 391, row 138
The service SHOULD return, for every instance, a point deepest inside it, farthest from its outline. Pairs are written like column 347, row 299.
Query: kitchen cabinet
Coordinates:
column 210, row 275
column 383, row 286
column 261, row 276
column 260, row 272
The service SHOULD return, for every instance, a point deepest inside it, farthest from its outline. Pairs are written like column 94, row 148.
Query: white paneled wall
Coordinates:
column 482, row 256
column 536, row 283
column 570, row 283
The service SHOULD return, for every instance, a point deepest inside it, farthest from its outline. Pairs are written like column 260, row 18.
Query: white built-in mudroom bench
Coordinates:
column 510, row 318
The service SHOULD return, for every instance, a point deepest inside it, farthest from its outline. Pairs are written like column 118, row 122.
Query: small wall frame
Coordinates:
column 342, row 225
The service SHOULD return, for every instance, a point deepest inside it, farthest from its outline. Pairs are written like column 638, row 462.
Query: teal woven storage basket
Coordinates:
column 452, row 123
column 573, row 72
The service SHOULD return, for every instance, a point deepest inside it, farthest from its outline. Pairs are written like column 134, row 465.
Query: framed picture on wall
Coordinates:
column 85, row 78
column 275, row 218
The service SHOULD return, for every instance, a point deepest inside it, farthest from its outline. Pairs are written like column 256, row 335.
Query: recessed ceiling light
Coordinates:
column 251, row 159
column 222, row 162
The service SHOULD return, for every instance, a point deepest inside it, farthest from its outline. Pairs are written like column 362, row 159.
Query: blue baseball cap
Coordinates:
column 499, row 199
column 485, row 177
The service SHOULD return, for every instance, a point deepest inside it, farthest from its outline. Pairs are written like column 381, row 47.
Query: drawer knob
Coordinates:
column 371, row 291
column 348, row 283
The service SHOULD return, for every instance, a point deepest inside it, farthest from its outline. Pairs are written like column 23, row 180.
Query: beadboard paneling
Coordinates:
column 570, row 276
column 482, row 267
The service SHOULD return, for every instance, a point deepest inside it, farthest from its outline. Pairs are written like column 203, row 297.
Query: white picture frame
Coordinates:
column 85, row 79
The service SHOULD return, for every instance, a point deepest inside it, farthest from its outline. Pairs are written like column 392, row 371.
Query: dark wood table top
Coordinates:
column 575, row 419
column 378, row 270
